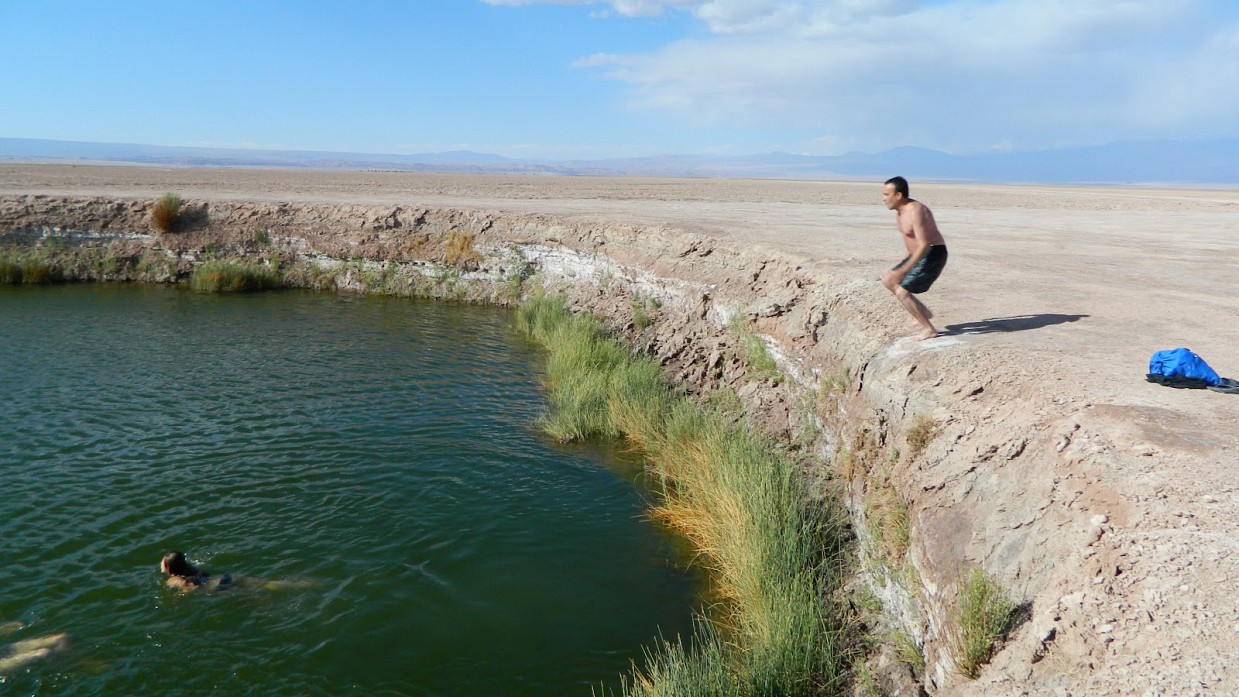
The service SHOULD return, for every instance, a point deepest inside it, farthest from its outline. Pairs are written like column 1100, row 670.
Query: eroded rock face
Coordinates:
column 1113, row 525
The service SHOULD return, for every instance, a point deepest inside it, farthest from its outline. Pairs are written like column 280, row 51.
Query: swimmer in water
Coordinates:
column 186, row 577
column 23, row 653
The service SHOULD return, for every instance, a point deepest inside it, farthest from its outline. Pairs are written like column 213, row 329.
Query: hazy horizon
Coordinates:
column 1172, row 163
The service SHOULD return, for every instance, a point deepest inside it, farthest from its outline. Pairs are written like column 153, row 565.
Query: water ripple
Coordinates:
column 365, row 468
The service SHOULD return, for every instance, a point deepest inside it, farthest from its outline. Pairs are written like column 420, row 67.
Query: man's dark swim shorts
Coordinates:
column 926, row 271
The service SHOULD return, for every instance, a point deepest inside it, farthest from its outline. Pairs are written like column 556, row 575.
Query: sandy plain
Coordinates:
column 1078, row 282
column 1102, row 277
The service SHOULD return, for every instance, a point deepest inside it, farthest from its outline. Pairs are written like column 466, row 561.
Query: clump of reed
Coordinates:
column 587, row 375
column 233, row 276
column 16, row 269
column 985, row 615
column 776, row 557
column 166, row 212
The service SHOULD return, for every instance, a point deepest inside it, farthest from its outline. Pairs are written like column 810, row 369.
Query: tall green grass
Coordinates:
column 233, row 276
column 28, row 268
column 985, row 615
column 775, row 555
column 761, row 365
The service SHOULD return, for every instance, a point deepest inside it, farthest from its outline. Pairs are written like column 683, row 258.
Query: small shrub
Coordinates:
column 755, row 354
column 15, row 269
column 866, row 685
column 838, row 383
column 844, row 464
column 513, row 287
column 831, row 389
column 166, row 212
column 233, row 276
column 923, row 431
column 156, row 267
column 640, row 318
column 859, row 457
column 886, row 516
column 10, row 273
column 910, row 579
column 985, row 616
column 458, row 251
column 35, row 271
column 908, row 651
column 868, row 603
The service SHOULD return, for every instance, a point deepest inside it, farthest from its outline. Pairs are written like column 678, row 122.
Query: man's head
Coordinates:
column 895, row 192
column 175, row 564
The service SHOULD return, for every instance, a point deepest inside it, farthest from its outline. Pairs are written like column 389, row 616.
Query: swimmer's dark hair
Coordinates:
column 177, row 565
column 901, row 185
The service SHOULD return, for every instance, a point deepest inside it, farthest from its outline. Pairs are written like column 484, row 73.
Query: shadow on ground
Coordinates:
column 1011, row 324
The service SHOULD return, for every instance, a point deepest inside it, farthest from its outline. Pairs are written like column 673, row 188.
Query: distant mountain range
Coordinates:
column 1186, row 162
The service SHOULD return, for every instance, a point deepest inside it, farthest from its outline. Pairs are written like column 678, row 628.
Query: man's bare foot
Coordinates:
column 927, row 334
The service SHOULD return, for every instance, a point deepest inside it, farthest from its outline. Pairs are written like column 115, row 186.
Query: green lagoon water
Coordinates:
column 379, row 454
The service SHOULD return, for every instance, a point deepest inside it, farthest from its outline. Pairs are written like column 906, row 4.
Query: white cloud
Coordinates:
column 624, row 8
column 959, row 75
column 1199, row 88
column 740, row 16
column 795, row 17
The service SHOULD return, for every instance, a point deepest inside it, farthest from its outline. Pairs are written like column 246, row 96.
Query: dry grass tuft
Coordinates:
column 831, row 390
column 458, row 251
column 886, row 517
column 859, row 458
column 922, row 433
column 166, row 212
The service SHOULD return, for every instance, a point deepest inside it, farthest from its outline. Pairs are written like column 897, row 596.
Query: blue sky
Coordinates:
column 582, row 79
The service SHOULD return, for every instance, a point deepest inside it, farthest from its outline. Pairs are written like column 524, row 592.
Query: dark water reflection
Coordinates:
column 379, row 452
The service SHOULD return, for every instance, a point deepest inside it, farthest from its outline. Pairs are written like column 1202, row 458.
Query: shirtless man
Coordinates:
column 926, row 254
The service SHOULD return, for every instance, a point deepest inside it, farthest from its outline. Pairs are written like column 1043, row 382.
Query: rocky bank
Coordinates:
column 1112, row 521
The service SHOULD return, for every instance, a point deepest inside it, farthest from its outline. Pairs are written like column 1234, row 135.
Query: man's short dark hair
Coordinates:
column 901, row 185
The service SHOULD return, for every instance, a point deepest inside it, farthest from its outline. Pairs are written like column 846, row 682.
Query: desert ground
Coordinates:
column 1056, row 295
column 1100, row 277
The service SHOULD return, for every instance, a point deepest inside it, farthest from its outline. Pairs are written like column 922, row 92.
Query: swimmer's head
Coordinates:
column 174, row 564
